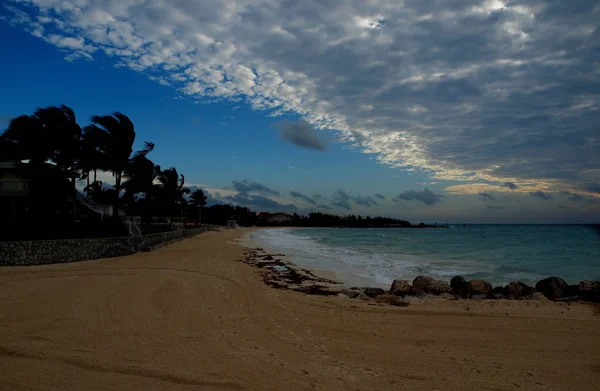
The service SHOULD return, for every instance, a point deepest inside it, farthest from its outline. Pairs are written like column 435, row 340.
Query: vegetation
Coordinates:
column 55, row 151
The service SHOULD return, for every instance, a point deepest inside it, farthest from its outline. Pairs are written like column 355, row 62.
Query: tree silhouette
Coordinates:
column 170, row 191
column 197, row 201
column 140, row 174
column 115, row 135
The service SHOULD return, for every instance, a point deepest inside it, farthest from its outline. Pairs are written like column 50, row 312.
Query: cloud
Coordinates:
column 303, row 197
column 426, row 196
column 341, row 199
column 302, row 134
column 317, row 196
column 495, row 207
column 260, row 202
column 364, row 201
column 593, row 187
column 379, row 196
column 510, row 185
column 477, row 188
column 542, row 195
column 487, row 196
column 573, row 196
column 246, row 187
column 468, row 103
column 325, row 207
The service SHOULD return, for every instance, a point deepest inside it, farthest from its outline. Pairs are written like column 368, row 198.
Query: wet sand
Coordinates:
column 189, row 317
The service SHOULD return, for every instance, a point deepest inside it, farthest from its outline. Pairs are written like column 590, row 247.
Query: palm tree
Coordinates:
column 170, row 191
column 91, row 158
column 51, row 134
column 197, row 201
column 140, row 174
column 115, row 134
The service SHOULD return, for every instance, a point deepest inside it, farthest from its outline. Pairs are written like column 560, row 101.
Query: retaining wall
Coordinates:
column 42, row 252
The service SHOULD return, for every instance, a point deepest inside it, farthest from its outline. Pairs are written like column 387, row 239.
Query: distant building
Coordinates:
column 279, row 218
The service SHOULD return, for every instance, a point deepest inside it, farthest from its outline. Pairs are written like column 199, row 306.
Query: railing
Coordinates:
column 89, row 203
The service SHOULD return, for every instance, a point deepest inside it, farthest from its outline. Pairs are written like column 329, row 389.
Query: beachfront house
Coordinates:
column 14, row 187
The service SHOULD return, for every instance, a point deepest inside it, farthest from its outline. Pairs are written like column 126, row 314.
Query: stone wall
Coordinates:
column 74, row 250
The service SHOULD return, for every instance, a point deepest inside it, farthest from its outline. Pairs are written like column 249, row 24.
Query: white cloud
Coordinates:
column 472, row 90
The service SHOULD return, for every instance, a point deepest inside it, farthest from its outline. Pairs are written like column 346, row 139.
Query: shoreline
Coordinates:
column 421, row 287
column 189, row 316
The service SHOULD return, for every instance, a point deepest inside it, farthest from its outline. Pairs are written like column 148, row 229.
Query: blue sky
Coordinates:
column 342, row 103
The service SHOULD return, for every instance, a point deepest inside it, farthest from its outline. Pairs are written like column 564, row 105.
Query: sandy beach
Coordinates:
column 188, row 316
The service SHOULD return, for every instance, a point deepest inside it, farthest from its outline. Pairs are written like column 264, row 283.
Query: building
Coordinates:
column 279, row 218
column 13, row 188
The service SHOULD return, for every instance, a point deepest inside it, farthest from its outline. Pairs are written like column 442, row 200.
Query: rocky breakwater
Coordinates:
column 281, row 275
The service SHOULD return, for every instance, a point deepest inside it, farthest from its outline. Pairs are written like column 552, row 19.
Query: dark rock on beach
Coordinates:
column 552, row 287
column 518, row 290
column 351, row 293
column 590, row 290
column 400, row 288
column 373, row 292
column 423, row 285
column 572, row 290
column 459, row 285
column 479, row 296
column 479, row 287
column 390, row 299
column 268, row 258
column 498, row 293
column 447, row 296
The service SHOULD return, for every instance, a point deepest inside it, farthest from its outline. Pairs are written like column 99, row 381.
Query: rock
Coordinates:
column 497, row 293
column 350, row 293
column 539, row 296
column 422, row 285
column 590, row 290
column 518, row 290
column 447, row 296
column 552, row 287
column 479, row 296
column 400, row 288
column 317, row 290
column 459, row 286
column 572, row 290
column 362, row 296
column 390, row 299
column 479, row 287
column 268, row 258
column 373, row 292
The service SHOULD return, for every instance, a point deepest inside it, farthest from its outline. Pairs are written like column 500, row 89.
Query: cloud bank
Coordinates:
column 425, row 196
column 467, row 90
column 301, row 134
column 303, row 197
column 245, row 187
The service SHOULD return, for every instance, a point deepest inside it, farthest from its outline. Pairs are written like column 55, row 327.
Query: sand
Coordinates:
column 189, row 317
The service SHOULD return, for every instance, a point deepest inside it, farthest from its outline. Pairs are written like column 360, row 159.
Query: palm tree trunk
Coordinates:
column 87, row 189
column 95, row 173
column 118, row 189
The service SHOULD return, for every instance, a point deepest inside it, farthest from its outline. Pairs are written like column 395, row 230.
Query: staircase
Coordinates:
column 82, row 199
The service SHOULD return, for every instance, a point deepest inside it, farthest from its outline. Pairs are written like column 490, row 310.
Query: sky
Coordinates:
column 446, row 110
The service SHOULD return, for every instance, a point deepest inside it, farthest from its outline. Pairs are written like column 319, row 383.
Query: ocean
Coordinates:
column 496, row 253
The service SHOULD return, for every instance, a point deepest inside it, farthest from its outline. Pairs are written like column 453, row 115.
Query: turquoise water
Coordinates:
column 497, row 253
